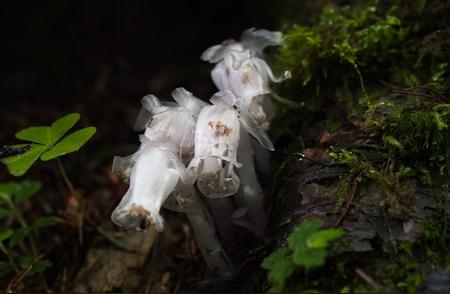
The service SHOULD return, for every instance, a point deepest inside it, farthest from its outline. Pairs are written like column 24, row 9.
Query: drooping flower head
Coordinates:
column 154, row 172
column 241, row 69
column 216, row 144
column 172, row 122
column 156, row 168
column 217, row 139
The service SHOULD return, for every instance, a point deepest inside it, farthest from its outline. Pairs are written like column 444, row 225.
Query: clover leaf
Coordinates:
column 18, row 236
column 308, row 243
column 280, row 269
column 47, row 143
column 306, row 248
column 25, row 190
column 5, row 234
column 7, row 191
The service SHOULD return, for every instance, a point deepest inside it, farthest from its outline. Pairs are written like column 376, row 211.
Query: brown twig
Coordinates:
column 77, row 196
column 410, row 90
column 66, row 179
column 349, row 202
column 368, row 279
column 15, row 282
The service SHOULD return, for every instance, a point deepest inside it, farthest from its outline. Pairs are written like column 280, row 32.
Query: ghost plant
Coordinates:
column 210, row 139
column 155, row 169
column 172, row 122
column 241, row 69
column 158, row 176
column 154, row 175
column 216, row 144
column 251, row 213
column 186, row 199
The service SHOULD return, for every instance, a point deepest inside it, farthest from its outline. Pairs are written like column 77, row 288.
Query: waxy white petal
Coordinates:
column 216, row 143
column 258, row 40
column 153, row 178
column 241, row 69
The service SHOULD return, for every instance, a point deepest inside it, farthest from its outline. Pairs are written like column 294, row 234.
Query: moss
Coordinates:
column 400, row 272
column 424, row 137
column 333, row 125
column 342, row 44
column 345, row 51
column 385, row 64
column 397, row 191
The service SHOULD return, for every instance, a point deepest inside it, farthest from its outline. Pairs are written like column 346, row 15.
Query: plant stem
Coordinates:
column 361, row 80
column 77, row 197
column 24, row 224
column 66, row 178
column 11, row 260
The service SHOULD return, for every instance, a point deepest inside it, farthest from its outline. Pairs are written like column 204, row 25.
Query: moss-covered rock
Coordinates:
column 373, row 82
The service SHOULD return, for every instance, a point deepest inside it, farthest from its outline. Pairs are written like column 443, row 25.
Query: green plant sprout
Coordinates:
column 46, row 143
column 306, row 249
column 31, row 261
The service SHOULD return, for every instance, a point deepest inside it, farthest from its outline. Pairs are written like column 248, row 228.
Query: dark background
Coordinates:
column 57, row 50
column 100, row 57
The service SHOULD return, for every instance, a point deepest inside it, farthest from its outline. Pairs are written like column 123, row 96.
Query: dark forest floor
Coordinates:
column 375, row 102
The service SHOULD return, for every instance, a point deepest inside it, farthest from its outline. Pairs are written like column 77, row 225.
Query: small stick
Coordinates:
column 302, row 156
column 114, row 240
column 349, row 202
column 409, row 91
column 368, row 279
column 14, row 283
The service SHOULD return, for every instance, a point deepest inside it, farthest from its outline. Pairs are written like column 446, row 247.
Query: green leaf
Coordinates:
column 39, row 267
column 392, row 141
column 5, row 268
column 39, row 135
column 69, row 144
column 308, row 243
column 7, row 190
column 26, row 260
column 280, row 268
column 26, row 189
column 19, row 164
column 406, row 172
column 5, row 234
column 62, row 125
column 297, row 239
column 4, row 213
column 18, row 236
column 49, row 135
column 44, row 221
column 440, row 120
column 320, row 239
column 309, row 258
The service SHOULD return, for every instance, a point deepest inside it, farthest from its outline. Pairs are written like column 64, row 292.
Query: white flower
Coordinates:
column 156, row 168
column 216, row 144
column 154, row 172
column 171, row 122
column 241, row 69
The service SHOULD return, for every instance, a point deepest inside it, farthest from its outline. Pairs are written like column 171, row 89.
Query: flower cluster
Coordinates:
column 191, row 150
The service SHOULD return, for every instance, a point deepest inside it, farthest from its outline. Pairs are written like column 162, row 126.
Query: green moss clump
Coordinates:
column 377, row 70
column 425, row 138
column 350, row 51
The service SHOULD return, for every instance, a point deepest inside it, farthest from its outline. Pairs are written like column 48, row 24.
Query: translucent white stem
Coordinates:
column 250, row 199
column 221, row 210
column 215, row 256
